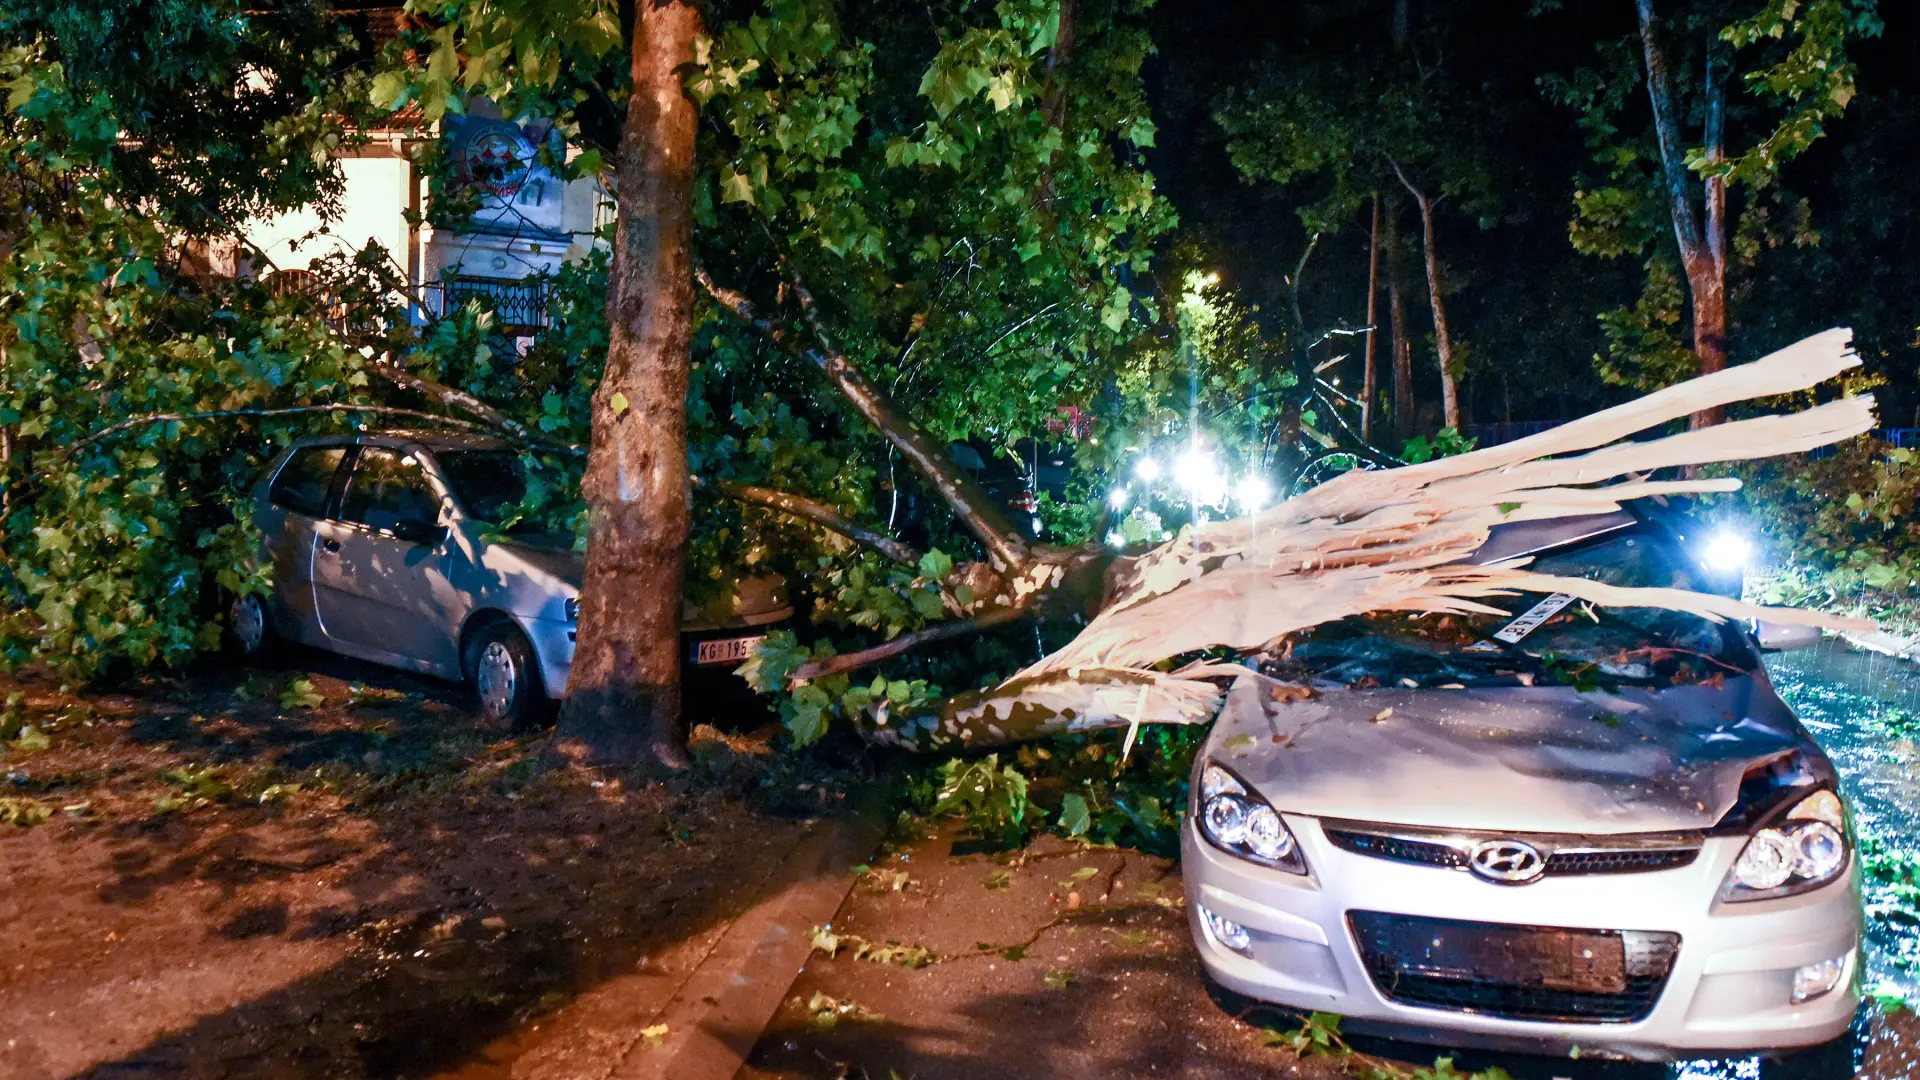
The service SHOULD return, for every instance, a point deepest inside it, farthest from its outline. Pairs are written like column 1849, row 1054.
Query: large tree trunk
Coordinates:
column 1703, row 252
column 1369, row 376
column 1442, row 336
column 1403, row 404
column 623, row 701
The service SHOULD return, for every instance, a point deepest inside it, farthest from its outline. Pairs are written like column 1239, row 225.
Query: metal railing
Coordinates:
column 519, row 306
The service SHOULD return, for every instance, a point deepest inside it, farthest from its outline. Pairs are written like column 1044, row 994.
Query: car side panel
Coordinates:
column 386, row 600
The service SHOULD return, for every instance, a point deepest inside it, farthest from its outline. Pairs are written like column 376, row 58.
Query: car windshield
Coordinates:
column 488, row 483
column 1545, row 639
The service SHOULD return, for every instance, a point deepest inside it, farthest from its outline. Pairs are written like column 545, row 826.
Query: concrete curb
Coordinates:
column 716, row 1016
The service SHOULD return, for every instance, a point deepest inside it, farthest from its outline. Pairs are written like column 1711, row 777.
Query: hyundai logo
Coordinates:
column 1507, row 862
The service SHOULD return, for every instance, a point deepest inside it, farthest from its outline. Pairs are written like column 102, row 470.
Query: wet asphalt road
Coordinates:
column 1857, row 705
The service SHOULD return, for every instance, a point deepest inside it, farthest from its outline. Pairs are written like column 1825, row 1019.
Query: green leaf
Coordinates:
column 1074, row 816
column 619, row 404
column 735, row 187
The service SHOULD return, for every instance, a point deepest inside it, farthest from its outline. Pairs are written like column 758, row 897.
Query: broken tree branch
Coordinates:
column 928, row 456
column 946, row 631
column 1392, row 540
column 467, row 403
column 820, row 514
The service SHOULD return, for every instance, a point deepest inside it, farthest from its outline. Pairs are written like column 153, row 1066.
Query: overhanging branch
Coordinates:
column 962, row 494
column 822, row 515
column 854, row 661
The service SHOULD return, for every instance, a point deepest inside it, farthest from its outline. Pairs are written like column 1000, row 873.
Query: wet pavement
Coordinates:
column 1864, row 708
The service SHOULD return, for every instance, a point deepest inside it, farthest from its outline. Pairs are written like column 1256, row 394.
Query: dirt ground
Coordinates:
column 246, row 875
column 1061, row 962
column 326, row 870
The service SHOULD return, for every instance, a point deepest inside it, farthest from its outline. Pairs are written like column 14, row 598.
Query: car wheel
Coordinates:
column 506, row 678
column 249, row 627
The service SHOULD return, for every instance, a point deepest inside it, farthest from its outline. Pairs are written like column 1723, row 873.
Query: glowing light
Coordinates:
column 1196, row 471
column 1728, row 551
column 1114, row 539
column 1119, row 497
column 1210, row 278
column 1252, row 493
column 1147, row 469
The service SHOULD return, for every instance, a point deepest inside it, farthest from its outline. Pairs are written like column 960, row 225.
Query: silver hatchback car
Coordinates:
column 1572, row 827
column 384, row 548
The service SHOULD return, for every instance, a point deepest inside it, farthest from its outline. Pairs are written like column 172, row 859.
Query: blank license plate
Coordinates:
column 1585, row 962
column 725, row 650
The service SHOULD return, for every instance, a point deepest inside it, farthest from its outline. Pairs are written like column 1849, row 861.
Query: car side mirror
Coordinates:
column 1782, row 637
column 423, row 533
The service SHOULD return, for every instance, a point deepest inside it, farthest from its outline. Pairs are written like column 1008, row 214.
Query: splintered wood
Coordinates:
column 1396, row 540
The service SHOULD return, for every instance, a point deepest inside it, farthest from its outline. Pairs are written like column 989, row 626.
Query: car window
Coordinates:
column 389, row 487
column 487, row 483
column 303, row 482
column 1573, row 641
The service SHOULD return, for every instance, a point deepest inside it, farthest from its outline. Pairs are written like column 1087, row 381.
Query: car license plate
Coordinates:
column 726, row 650
column 1581, row 961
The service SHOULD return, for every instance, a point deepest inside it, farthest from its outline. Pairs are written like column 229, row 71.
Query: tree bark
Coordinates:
column 1403, row 404
column 1703, row 252
column 1369, row 378
column 1442, row 336
column 623, row 700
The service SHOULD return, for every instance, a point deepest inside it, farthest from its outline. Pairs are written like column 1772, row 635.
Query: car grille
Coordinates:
column 1515, row 972
column 1585, row 859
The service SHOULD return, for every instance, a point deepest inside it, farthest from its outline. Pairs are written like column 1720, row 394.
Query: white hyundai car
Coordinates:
column 1571, row 829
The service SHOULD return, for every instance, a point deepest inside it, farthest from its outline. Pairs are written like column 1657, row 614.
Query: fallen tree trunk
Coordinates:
column 1390, row 540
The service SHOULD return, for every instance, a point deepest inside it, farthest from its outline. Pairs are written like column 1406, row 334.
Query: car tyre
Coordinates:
column 505, row 677
column 249, row 631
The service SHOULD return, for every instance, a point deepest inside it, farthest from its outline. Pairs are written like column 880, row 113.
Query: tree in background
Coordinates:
column 1344, row 124
column 1676, row 171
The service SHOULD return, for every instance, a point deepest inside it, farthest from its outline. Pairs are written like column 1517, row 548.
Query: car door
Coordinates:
column 383, row 568
column 295, row 505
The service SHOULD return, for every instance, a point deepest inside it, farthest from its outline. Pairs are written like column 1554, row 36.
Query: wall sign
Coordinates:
column 499, row 160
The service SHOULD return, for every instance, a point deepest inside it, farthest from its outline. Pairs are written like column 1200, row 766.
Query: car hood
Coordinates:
column 1539, row 759
column 552, row 556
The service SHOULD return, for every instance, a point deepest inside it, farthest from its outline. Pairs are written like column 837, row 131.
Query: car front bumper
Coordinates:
column 1729, row 987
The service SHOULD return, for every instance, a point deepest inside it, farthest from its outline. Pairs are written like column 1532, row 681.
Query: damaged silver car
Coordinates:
column 1568, row 827
column 386, row 547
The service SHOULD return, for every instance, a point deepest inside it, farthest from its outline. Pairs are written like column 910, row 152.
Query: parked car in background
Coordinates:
column 384, row 547
column 1568, row 827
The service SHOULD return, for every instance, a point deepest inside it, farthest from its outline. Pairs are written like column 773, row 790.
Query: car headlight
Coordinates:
column 1239, row 822
column 573, row 609
column 1803, row 850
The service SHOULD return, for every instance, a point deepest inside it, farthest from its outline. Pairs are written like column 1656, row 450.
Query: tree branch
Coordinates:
column 822, row 515
column 962, row 494
column 1672, row 159
column 467, row 403
column 854, row 661
column 178, row 417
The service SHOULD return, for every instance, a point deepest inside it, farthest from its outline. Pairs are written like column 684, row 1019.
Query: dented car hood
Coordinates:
column 1540, row 759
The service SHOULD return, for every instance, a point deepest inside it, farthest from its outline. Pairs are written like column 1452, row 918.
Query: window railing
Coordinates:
column 519, row 307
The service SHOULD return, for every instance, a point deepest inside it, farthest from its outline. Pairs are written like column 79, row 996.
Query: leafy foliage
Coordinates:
column 1845, row 526
column 129, row 126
